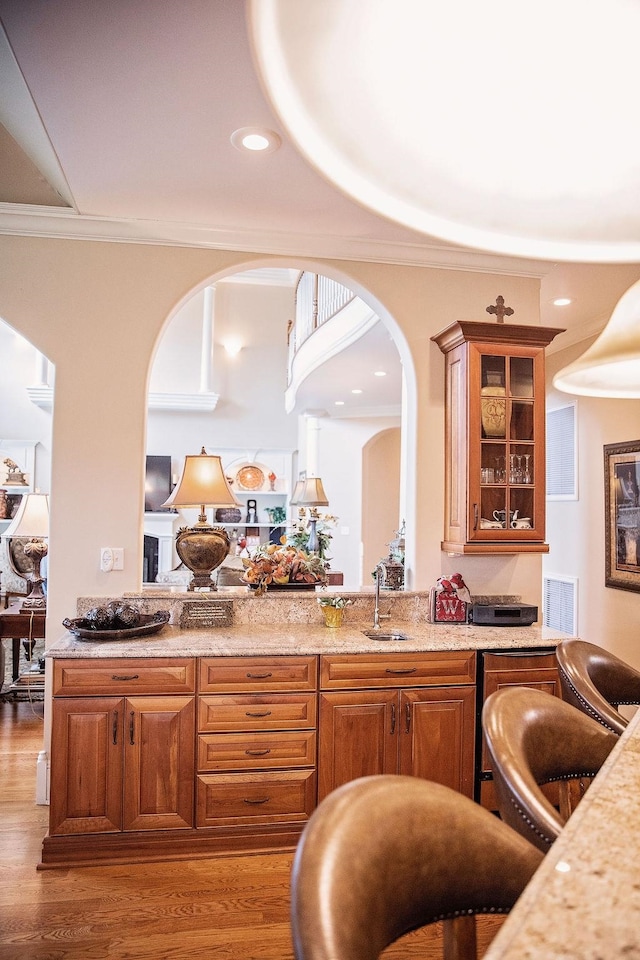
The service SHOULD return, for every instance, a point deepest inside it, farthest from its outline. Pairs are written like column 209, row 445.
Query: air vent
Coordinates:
column 560, row 604
column 562, row 473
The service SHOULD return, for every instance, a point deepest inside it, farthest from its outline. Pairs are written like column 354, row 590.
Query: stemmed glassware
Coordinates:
column 526, row 475
column 515, row 468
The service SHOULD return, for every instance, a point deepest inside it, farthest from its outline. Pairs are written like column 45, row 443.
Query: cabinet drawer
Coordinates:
column 240, row 798
column 280, row 711
column 123, row 675
column 249, row 674
column 342, row 671
column 241, row 751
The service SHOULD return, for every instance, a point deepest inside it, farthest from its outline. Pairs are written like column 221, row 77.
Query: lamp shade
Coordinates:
column 202, row 483
column 297, row 492
column 32, row 518
column 312, row 494
column 611, row 365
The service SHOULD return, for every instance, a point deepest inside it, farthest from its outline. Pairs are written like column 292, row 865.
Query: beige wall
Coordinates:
column 576, row 528
column 97, row 309
column 380, row 497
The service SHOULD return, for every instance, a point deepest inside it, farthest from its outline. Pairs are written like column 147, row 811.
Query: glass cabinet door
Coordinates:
column 507, row 463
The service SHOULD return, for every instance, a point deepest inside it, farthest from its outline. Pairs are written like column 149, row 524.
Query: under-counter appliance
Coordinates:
column 502, row 614
column 523, row 667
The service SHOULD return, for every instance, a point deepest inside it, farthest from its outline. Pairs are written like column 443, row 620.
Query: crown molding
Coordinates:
column 62, row 224
column 192, row 402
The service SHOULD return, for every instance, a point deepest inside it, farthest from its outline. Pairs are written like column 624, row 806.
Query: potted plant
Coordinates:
column 282, row 565
column 333, row 609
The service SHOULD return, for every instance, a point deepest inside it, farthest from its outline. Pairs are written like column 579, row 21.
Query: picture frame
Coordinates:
column 622, row 515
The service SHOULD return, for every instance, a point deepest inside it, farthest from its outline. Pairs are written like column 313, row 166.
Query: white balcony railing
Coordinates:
column 318, row 299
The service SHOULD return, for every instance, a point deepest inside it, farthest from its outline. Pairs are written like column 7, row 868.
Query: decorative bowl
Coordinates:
column 228, row 515
column 147, row 625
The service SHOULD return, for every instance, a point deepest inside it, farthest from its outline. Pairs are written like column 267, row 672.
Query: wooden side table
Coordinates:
column 17, row 625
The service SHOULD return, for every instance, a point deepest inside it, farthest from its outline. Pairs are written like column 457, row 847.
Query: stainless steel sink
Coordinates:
column 385, row 635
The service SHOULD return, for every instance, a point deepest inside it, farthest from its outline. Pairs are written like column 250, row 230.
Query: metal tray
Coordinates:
column 149, row 624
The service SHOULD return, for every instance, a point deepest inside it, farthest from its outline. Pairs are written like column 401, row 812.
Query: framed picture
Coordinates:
column 622, row 515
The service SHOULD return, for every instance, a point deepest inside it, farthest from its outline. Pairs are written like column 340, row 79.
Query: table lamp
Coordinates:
column 202, row 547
column 312, row 495
column 31, row 522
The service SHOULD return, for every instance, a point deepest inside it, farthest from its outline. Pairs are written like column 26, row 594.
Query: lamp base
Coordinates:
column 36, row 600
column 202, row 549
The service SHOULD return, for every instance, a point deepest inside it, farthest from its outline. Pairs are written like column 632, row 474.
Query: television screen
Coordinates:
column 157, row 485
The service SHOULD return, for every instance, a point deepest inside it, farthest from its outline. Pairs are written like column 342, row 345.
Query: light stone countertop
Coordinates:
column 591, row 911
column 286, row 623
column 285, row 639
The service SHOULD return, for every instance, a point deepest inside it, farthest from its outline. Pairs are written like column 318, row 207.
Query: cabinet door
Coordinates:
column 357, row 738
column 537, row 669
column 86, row 765
column 437, row 735
column 506, row 443
column 159, row 763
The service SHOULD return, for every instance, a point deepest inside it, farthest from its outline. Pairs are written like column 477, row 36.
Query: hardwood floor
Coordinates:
column 233, row 908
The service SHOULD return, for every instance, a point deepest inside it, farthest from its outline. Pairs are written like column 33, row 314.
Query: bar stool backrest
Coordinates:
column 384, row 855
column 534, row 738
column 597, row 682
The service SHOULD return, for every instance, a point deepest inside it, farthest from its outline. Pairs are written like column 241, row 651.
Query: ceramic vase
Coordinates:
column 494, row 409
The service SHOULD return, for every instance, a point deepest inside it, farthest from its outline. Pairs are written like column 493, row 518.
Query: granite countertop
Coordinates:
column 275, row 639
column 583, row 902
column 237, row 623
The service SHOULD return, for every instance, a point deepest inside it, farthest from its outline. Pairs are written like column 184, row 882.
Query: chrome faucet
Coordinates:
column 377, row 616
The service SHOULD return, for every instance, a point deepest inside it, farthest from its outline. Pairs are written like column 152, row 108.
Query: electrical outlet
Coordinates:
column 118, row 558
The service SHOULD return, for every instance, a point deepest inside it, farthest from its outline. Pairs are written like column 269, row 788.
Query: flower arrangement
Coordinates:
column 299, row 535
column 338, row 602
column 281, row 564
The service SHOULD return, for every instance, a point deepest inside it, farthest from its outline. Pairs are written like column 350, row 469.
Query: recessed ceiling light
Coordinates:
column 255, row 139
column 356, row 391
column 339, row 403
column 380, row 373
column 562, row 301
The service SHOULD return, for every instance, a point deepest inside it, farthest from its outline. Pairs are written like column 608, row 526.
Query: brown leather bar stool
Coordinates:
column 384, row 855
column 597, row 682
column 534, row 738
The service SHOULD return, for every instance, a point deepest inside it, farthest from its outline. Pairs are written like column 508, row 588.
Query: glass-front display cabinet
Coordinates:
column 495, row 443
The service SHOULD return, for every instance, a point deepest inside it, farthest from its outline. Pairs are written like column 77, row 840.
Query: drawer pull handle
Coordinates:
column 259, row 676
column 407, row 717
column 265, row 713
column 131, row 728
column 407, row 670
column 257, row 753
column 393, row 718
column 115, row 726
column 256, row 800
column 134, row 676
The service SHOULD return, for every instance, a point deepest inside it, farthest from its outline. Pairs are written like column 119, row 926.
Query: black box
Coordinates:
column 502, row 614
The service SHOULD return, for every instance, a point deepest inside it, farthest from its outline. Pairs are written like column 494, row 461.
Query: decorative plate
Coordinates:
column 250, row 478
column 86, row 630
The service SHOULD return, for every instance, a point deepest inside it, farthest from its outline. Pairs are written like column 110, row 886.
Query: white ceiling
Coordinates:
column 118, row 118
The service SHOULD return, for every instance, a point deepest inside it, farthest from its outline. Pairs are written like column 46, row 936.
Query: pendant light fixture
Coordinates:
column 611, row 365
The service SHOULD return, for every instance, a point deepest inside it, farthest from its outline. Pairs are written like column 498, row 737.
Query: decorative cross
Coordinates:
column 500, row 310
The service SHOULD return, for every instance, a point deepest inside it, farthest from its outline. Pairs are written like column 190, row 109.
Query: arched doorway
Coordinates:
column 252, row 310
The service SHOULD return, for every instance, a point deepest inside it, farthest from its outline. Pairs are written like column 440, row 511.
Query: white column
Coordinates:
column 42, row 370
column 313, row 432
column 206, row 357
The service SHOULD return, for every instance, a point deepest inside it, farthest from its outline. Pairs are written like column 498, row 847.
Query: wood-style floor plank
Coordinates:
column 228, row 908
